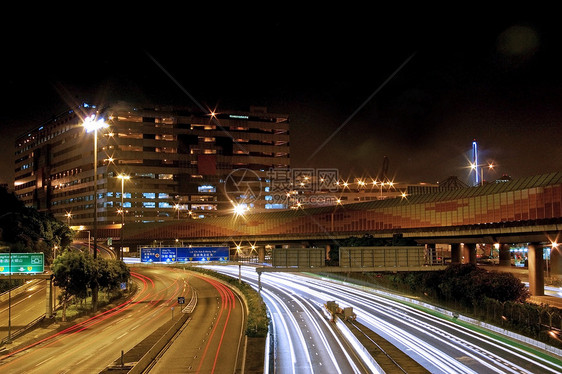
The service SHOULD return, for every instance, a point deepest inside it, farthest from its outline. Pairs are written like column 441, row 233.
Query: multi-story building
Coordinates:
column 182, row 163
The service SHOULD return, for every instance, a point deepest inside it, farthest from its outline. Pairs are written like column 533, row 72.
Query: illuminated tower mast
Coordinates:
column 475, row 162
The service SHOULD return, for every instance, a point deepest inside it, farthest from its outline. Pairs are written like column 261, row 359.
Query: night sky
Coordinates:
column 356, row 86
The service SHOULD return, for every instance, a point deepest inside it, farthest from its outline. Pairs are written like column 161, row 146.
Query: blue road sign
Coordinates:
column 184, row 254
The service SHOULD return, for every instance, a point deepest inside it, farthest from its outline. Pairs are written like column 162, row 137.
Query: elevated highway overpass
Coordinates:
column 526, row 210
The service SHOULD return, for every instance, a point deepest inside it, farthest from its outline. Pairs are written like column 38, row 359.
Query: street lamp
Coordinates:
column 553, row 246
column 490, row 167
column 53, row 299
column 474, row 166
column 81, row 228
column 93, row 124
column 338, row 203
column 239, row 209
column 68, row 217
column 9, row 339
column 123, row 177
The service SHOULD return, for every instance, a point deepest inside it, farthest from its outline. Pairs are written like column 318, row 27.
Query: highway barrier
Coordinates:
column 149, row 356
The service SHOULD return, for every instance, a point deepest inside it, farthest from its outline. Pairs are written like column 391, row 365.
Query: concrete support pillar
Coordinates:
column 456, row 257
column 505, row 255
column 536, row 269
column 469, row 253
column 261, row 254
column 556, row 262
column 49, row 299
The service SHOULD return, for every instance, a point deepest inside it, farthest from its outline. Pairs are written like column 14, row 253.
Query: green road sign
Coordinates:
column 22, row 263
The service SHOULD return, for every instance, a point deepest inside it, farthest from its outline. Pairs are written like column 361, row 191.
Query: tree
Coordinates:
column 76, row 272
column 72, row 272
column 468, row 284
column 504, row 287
column 111, row 273
column 27, row 230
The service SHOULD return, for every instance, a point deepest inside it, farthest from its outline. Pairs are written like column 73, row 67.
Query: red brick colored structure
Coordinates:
column 531, row 199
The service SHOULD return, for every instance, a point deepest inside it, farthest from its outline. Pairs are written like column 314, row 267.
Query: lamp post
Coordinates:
column 81, row 228
column 123, row 177
column 490, row 167
column 338, row 202
column 474, row 166
column 92, row 124
column 68, row 217
column 53, row 299
column 9, row 339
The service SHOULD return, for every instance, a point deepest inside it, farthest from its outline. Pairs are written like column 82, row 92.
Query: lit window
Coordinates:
column 206, row 188
column 274, row 206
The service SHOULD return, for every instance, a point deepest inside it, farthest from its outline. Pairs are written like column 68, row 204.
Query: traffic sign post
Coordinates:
column 22, row 263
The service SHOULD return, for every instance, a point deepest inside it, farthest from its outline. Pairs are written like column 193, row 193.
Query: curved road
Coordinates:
column 438, row 344
column 304, row 341
column 93, row 344
column 212, row 341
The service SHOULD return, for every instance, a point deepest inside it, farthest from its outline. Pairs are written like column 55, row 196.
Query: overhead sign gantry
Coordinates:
column 184, row 254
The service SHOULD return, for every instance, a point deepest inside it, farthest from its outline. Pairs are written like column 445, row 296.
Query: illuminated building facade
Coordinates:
column 179, row 162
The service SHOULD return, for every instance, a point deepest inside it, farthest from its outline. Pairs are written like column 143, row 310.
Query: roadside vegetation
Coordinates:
column 26, row 230
column 498, row 298
column 77, row 273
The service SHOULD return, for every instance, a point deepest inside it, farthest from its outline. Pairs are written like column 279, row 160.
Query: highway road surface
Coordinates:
column 26, row 306
column 439, row 344
column 212, row 340
column 304, row 341
column 92, row 344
